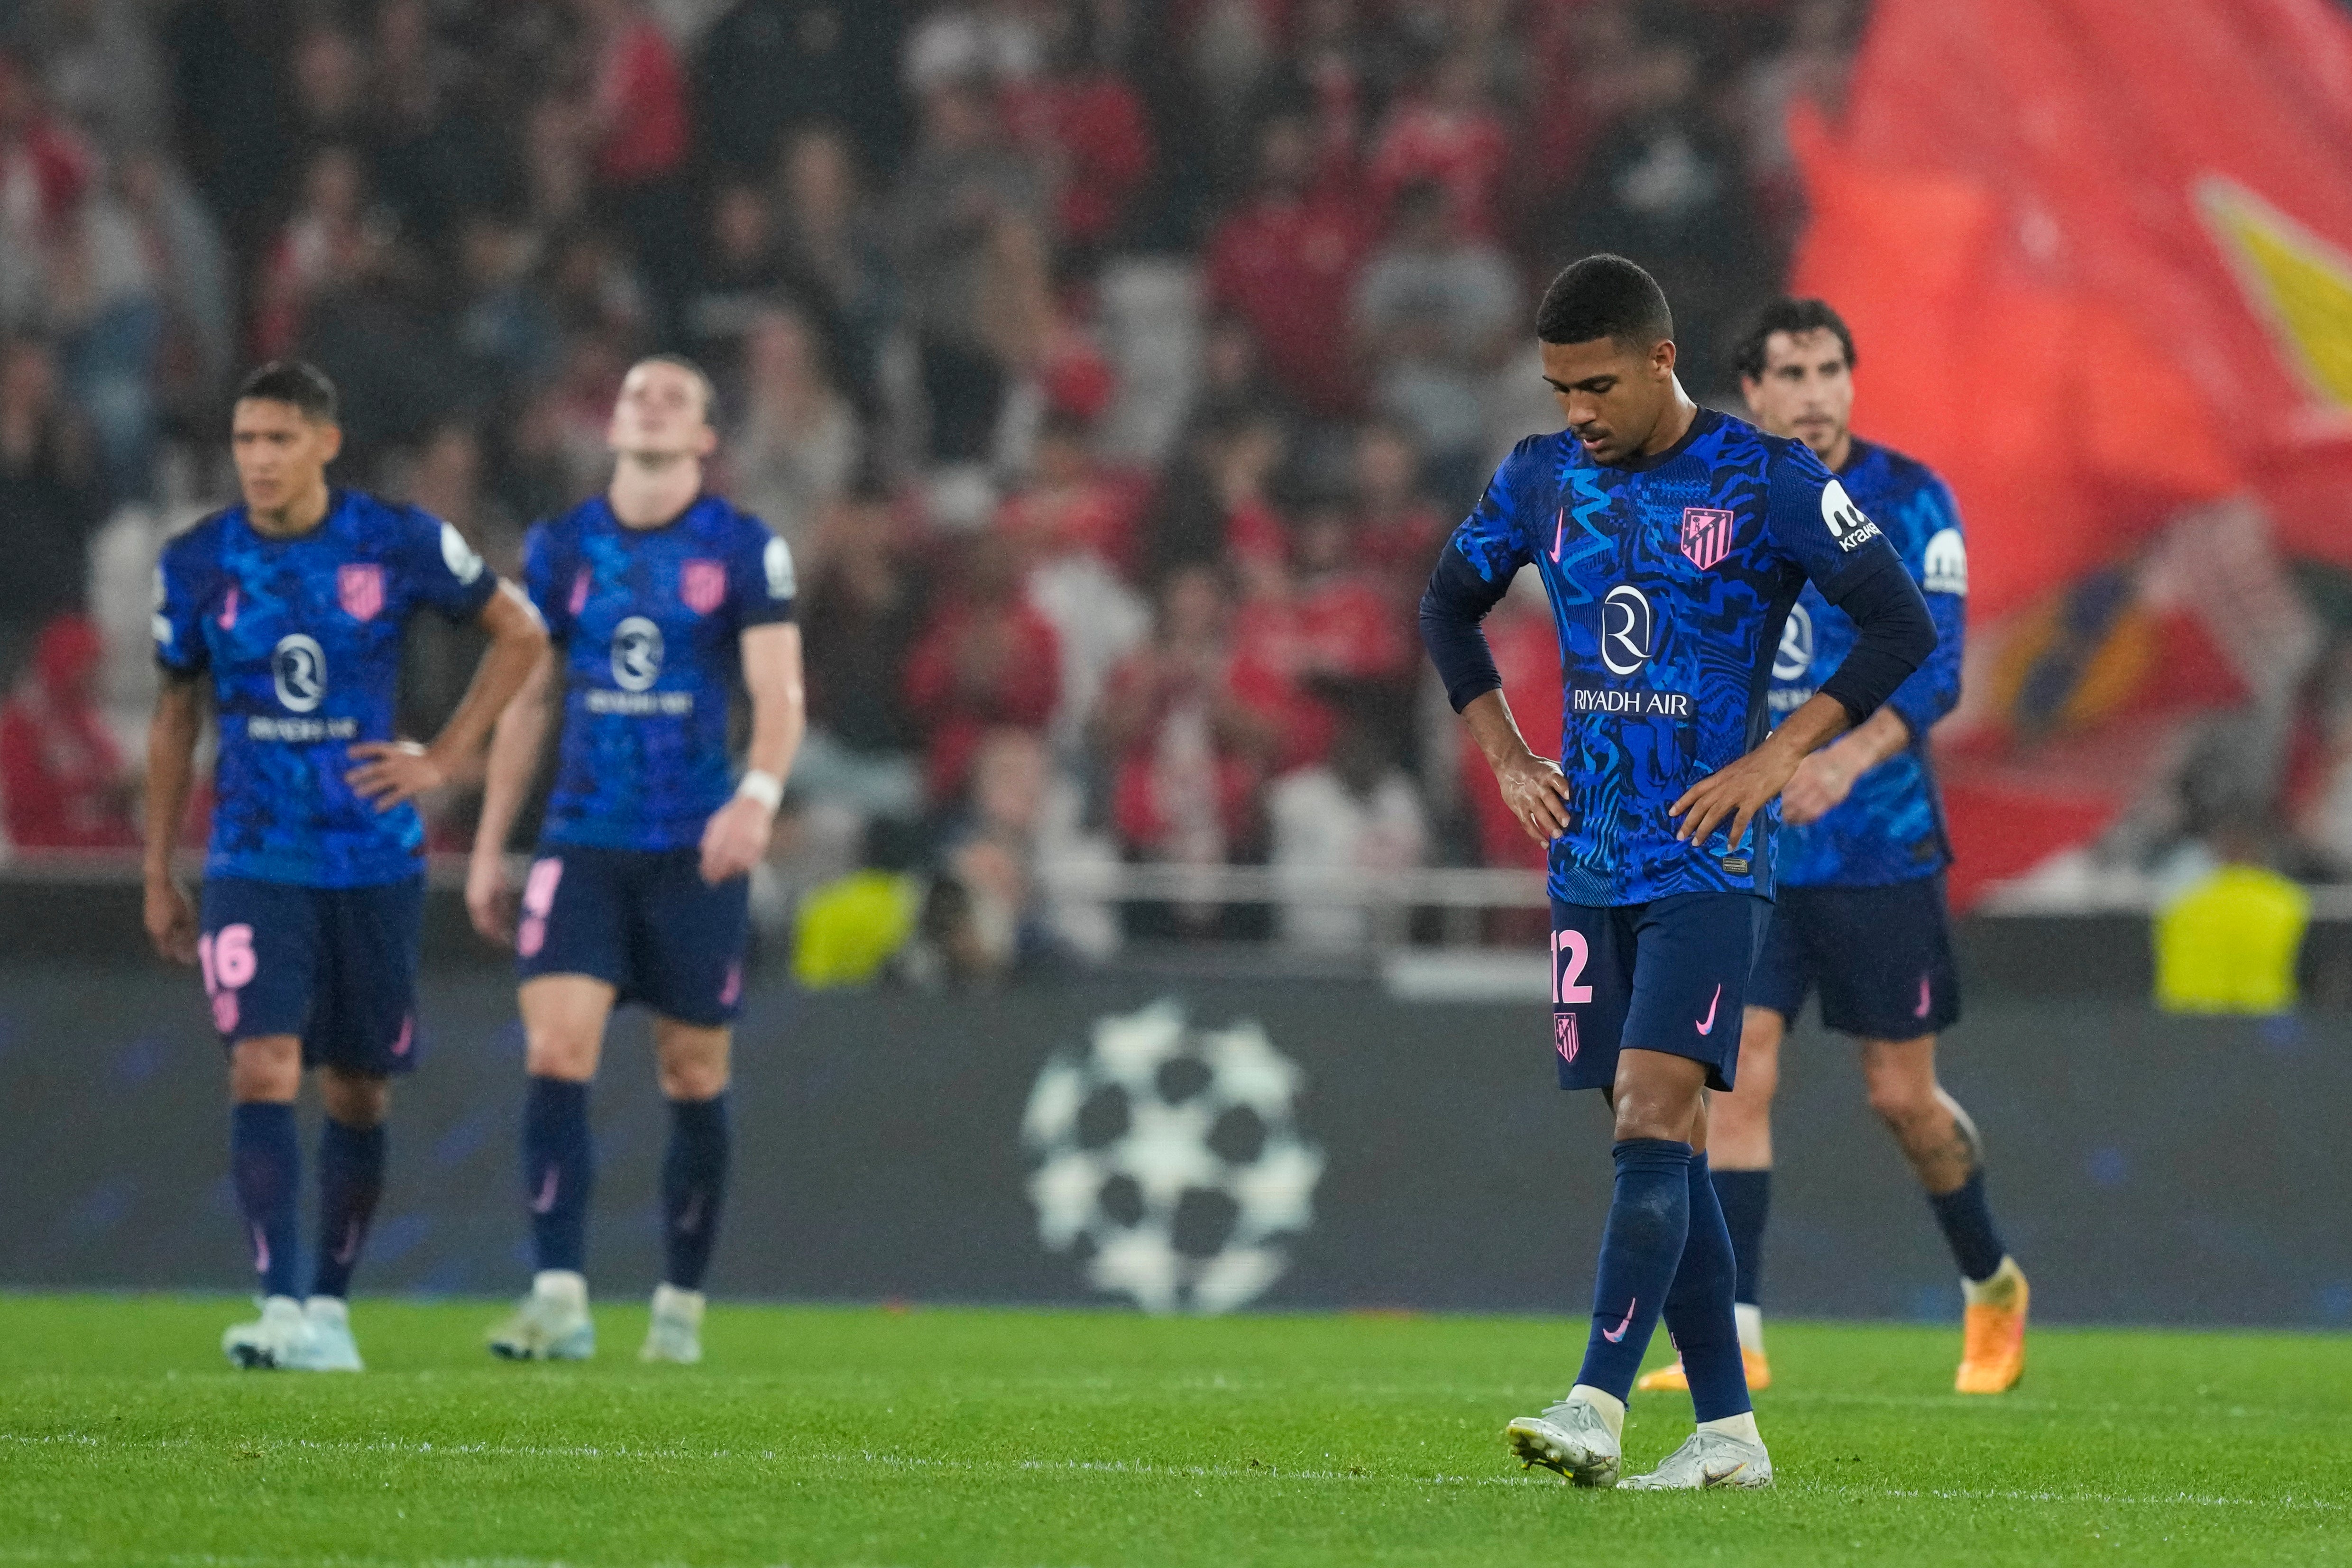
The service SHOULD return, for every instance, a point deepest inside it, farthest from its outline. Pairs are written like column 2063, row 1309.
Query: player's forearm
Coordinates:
column 518, row 642
column 1882, row 736
column 171, row 736
column 771, row 674
column 514, row 747
column 1821, row 720
column 1496, row 732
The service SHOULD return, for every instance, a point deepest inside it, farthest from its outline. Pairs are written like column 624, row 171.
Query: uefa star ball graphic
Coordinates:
column 1169, row 1161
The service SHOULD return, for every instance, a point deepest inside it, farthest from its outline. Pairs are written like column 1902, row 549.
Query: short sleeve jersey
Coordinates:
column 1891, row 827
column 301, row 638
column 1670, row 580
column 647, row 623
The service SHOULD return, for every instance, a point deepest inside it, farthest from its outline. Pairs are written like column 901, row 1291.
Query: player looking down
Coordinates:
column 657, row 596
column 1861, row 914
column 290, row 610
column 1671, row 541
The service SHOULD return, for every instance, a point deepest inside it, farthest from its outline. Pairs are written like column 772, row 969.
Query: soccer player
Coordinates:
column 1671, row 541
column 290, row 610
column 1861, row 914
column 657, row 596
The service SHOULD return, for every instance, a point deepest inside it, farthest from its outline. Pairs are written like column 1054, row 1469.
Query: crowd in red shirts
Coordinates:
column 1115, row 371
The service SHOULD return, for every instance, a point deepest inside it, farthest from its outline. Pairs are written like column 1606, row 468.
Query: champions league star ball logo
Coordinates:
column 1169, row 1160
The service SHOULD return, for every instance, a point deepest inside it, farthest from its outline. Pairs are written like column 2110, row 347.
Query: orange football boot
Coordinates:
column 1992, row 1352
column 1673, row 1380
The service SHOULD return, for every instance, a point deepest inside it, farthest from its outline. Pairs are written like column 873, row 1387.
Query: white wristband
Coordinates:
column 764, row 787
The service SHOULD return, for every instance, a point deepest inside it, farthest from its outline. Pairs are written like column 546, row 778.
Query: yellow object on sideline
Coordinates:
column 2229, row 944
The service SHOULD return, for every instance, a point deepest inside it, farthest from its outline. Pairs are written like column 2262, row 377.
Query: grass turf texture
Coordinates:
column 841, row 1436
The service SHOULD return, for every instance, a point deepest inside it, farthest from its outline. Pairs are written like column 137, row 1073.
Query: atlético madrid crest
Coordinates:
column 1707, row 535
column 702, row 584
column 360, row 588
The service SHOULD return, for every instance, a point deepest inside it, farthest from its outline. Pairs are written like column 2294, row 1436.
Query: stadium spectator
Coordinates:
column 833, row 246
column 50, row 499
column 795, row 446
column 862, row 606
column 63, row 780
column 1085, row 126
column 771, row 66
column 1356, row 813
column 1285, row 261
column 1448, row 135
column 1435, row 312
column 986, row 658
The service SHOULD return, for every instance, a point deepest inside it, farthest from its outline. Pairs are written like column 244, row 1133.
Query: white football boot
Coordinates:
column 330, row 1347
column 1708, row 1460
column 674, row 1333
column 1571, row 1437
column 276, row 1339
column 552, row 1323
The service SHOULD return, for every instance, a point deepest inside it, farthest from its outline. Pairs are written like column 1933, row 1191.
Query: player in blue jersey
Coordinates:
column 1860, row 916
column 288, row 612
column 660, row 600
column 1671, row 541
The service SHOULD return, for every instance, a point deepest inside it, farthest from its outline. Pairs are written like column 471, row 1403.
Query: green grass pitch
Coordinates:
column 825, row 1436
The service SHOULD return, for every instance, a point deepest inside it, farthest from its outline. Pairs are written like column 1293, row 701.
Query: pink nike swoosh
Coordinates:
column 545, row 1202
column 1921, row 1010
column 1707, row 1024
column 1618, row 1334
column 1559, row 534
column 350, row 1247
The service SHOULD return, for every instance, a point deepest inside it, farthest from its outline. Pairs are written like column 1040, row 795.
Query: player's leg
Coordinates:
column 363, row 1032
column 1739, row 1156
column 693, row 1074
column 563, row 1018
column 257, row 952
column 1940, row 1142
column 1697, row 955
column 572, row 948
column 688, row 945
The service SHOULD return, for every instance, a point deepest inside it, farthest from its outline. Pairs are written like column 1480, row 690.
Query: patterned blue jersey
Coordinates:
column 648, row 623
column 1669, row 579
column 302, row 639
column 1891, row 827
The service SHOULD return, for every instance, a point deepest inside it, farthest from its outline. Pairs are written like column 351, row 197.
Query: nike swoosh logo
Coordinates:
column 1707, row 1024
column 1921, row 1010
column 1714, row 1478
column 1617, row 1336
column 1558, row 535
column 350, row 1247
column 545, row 1202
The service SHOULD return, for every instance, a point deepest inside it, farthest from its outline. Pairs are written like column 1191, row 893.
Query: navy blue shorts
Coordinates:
column 1670, row 975
column 336, row 966
column 643, row 921
column 1880, row 957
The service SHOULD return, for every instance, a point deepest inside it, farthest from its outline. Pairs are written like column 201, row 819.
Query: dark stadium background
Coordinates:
column 1071, row 341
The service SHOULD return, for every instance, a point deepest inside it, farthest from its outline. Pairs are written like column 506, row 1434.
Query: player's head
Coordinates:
column 1796, row 370
column 1608, row 345
column 664, row 411
column 282, row 434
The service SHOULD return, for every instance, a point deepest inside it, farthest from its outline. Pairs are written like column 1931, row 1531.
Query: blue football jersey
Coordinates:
column 302, row 640
column 647, row 623
column 1670, row 580
column 1891, row 827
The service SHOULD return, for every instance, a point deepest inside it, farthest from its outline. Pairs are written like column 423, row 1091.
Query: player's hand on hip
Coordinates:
column 1536, row 792
column 170, row 921
column 489, row 899
column 1819, row 787
column 393, row 771
column 1732, row 798
column 735, row 839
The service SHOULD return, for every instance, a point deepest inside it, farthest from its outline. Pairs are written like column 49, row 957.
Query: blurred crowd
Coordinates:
column 1114, row 368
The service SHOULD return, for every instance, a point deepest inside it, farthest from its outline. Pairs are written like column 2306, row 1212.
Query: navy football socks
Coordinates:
column 1649, row 1219
column 1745, row 1197
column 351, row 1180
column 557, row 1170
column 1967, row 1221
column 1698, row 1307
column 694, row 1183
column 266, row 1162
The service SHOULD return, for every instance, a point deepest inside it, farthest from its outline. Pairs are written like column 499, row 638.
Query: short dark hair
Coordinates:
column 1793, row 316
column 296, row 381
column 1604, row 297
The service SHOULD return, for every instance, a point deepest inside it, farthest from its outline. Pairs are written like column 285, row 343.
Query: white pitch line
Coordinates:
column 266, row 1447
